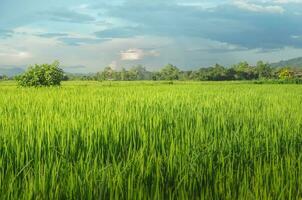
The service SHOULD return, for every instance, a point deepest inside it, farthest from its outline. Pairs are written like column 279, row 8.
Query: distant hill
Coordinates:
column 11, row 71
column 295, row 62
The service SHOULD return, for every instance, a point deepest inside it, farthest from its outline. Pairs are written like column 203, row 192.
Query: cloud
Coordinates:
column 263, row 27
column 71, row 16
column 296, row 37
column 132, row 54
column 287, row 1
column 5, row 33
column 77, row 41
column 137, row 54
column 14, row 54
column 185, row 32
column 245, row 5
column 118, row 32
column 52, row 35
column 217, row 47
column 202, row 5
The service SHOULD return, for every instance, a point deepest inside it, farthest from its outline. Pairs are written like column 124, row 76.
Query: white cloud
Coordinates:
column 296, row 37
column 203, row 5
column 287, row 1
column 137, row 54
column 14, row 54
column 245, row 5
column 132, row 54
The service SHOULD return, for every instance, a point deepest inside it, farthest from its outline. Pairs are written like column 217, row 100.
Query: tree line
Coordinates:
column 240, row 71
column 51, row 74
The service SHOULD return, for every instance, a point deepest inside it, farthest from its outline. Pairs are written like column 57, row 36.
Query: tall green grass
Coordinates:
column 149, row 140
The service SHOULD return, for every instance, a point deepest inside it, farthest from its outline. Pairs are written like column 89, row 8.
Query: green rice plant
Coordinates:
column 149, row 140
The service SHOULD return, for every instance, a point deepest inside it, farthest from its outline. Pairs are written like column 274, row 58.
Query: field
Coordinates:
column 151, row 140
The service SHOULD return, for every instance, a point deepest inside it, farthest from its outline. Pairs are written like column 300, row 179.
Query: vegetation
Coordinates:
column 149, row 140
column 3, row 77
column 42, row 75
column 241, row 71
column 261, row 72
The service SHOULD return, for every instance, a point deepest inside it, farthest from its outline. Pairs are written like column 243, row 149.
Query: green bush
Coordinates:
column 42, row 75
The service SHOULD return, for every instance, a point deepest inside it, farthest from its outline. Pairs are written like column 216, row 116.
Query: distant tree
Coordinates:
column 286, row 73
column 231, row 74
column 263, row 70
column 42, row 75
column 240, row 71
column 217, row 73
column 186, row 75
column 202, row 74
column 169, row 72
column 107, row 74
column 244, row 71
column 3, row 77
column 65, row 77
column 138, row 73
column 155, row 76
column 124, row 75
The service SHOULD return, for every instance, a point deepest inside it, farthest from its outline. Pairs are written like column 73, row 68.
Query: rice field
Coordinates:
column 151, row 140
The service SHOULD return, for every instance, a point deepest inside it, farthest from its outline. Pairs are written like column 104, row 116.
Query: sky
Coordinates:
column 88, row 35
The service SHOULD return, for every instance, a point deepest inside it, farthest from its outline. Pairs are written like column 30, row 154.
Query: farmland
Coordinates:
column 151, row 140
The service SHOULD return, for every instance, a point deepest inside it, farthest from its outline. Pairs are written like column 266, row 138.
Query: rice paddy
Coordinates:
column 151, row 140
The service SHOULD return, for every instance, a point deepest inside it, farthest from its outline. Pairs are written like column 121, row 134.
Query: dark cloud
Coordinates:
column 224, row 23
column 74, row 41
column 63, row 15
column 52, row 35
column 219, row 49
column 124, row 32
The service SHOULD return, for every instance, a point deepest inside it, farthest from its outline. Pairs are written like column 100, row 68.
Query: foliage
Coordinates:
column 3, row 77
column 286, row 74
column 138, row 73
column 169, row 72
column 263, row 70
column 151, row 141
column 42, row 75
column 242, row 71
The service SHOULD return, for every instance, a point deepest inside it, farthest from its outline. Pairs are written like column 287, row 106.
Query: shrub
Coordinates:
column 42, row 75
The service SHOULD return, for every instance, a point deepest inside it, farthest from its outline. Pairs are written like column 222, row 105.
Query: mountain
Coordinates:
column 11, row 71
column 295, row 62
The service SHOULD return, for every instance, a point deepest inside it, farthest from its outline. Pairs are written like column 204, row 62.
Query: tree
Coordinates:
column 169, row 72
column 155, row 76
column 263, row 70
column 286, row 74
column 3, row 77
column 186, row 75
column 124, row 75
column 244, row 71
column 138, row 73
column 106, row 74
column 217, row 73
column 42, row 75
